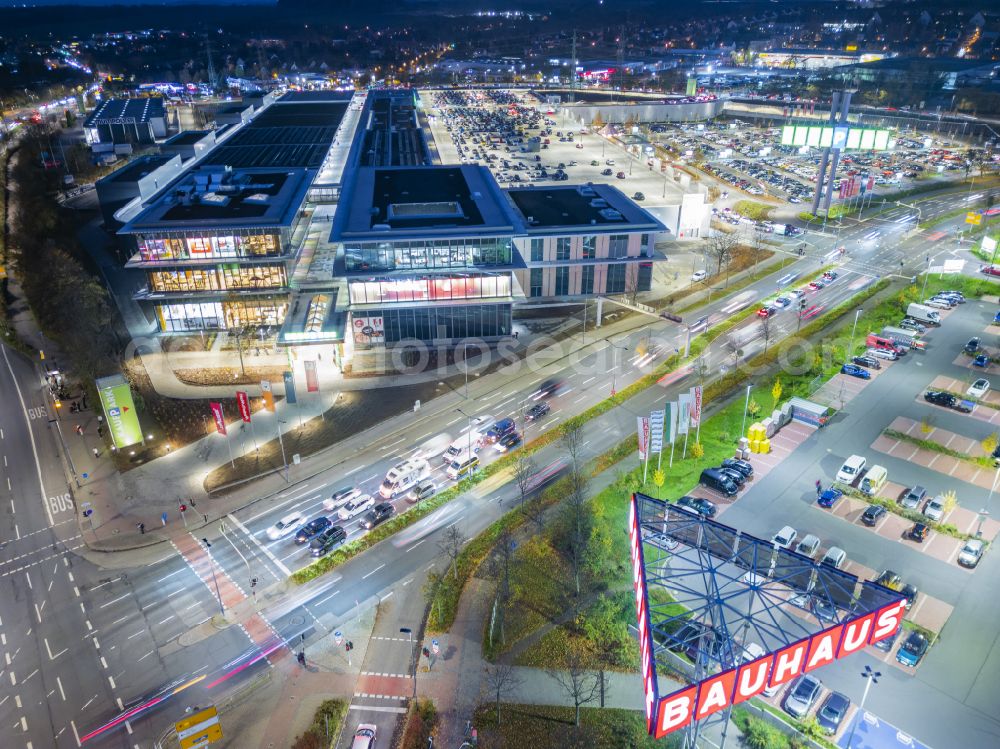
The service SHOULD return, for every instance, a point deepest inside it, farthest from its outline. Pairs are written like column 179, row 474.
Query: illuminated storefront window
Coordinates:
column 416, row 255
column 382, row 291
column 429, row 323
column 207, row 246
column 218, row 279
column 221, row 315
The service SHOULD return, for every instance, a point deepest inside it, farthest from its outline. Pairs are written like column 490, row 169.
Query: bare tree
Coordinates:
column 720, row 248
column 524, row 471
column 429, row 590
column 580, row 685
column 572, row 443
column 502, row 681
column 757, row 246
column 766, row 330
column 451, row 544
column 499, row 568
column 579, row 517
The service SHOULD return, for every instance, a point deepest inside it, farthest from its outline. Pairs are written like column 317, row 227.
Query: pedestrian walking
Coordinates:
column 301, row 657
column 819, row 487
column 97, row 453
column 79, row 429
column 163, row 518
column 142, row 528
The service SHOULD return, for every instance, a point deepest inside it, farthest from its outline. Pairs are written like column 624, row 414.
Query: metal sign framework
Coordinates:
column 711, row 593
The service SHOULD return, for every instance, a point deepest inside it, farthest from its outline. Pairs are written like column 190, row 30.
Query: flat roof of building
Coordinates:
column 137, row 169
column 213, row 198
column 110, row 111
column 307, row 96
column 593, row 207
column 283, row 136
column 186, row 138
column 399, row 202
column 392, row 135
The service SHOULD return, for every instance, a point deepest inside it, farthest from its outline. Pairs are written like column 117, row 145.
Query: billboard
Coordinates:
column 369, row 330
column 243, row 401
column 312, row 377
column 877, row 615
column 827, row 136
column 119, row 410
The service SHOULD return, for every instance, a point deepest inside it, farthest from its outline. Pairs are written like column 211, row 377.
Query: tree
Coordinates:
column 776, row 391
column 524, row 471
column 502, row 681
column 598, row 122
column 659, row 478
column 757, row 246
column 579, row 519
column 451, row 544
column 572, row 442
column 720, row 248
column 766, row 330
column 429, row 590
column 580, row 685
column 499, row 569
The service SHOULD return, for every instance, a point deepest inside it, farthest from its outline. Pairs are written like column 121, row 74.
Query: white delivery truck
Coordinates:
column 923, row 313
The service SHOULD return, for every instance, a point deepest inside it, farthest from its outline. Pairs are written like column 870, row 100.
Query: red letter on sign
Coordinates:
column 715, row 693
column 675, row 711
column 887, row 621
column 823, row 648
column 856, row 635
column 752, row 678
column 788, row 663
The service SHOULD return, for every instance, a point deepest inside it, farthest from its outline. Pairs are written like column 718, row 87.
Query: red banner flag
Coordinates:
column 243, row 401
column 219, row 416
column 312, row 378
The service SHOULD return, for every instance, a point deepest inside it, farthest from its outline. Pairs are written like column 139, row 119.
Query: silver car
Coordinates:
column 802, row 696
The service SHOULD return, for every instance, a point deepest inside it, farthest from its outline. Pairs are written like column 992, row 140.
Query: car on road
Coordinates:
column 818, row 284
column 286, row 526
column 972, row 346
column 979, row 388
column 867, row 361
column 912, row 650
column 606, row 173
column 507, row 442
column 919, row 532
column 812, row 311
column 421, row 491
column 855, row 371
column 364, row 736
column 322, row 544
column 500, row 429
column 784, row 538
column 699, row 275
column 781, row 302
column 831, row 275
column 537, row 411
column 829, row 497
column 377, row 515
column 971, row 553
column 802, row 695
column 991, row 270
column 981, row 360
column 934, row 509
column 356, row 506
column 766, row 311
column 831, row 714
column 609, row 162
column 872, row 514
column 852, row 469
column 550, row 388
column 620, row 175
column 808, row 546
column 698, row 504
column 742, row 466
column 796, row 293
column 340, row 497
column 913, row 497
column 312, row 529
column 638, row 196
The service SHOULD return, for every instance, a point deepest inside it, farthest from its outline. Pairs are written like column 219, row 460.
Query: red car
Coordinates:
column 766, row 311
column 991, row 270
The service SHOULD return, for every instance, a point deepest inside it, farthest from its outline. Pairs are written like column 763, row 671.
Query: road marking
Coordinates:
column 376, row 708
column 107, row 582
column 97, row 645
column 62, row 693
column 415, row 545
column 76, row 734
column 354, row 470
column 141, row 631
column 31, row 436
column 324, row 600
column 287, row 572
column 175, row 572
column 373, row 571
column 116, row 600
column 30, row 675
column 111, row 681
column 104, row 663
column 165, row 620
column 28, row 578
column 49, row 650
column 24, row 724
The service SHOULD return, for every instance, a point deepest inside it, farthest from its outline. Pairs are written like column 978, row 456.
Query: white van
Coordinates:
column 465, row 443
column 874, row 480
column 834, row 557
column 403, row 477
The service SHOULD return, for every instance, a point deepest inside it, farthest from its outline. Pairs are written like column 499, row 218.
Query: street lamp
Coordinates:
column 281, row 442
column 870, row 677
column 850, row 349
column 614, row 369
column 208, row 550
column 746, row 407
column 470, row 429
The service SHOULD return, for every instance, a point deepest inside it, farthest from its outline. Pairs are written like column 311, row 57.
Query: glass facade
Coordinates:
column 222, row 278
column 221, row 315
column 428, row 323
column 537, row 248
column 589, row 247
column 563, row 245
column 616, row 279
column 415, row 255
column 645, row 280
column 618, row 245
column 587, row 281
column 201, row 246
column 386, row 290
column 536, row 282
column 562, row 281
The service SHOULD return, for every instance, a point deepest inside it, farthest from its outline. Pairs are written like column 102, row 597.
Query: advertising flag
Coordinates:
column 219, row 416
column 696, row 405
column 289, row 379
column 656, row 419
column 243, row 402
column 671, row 413
column 642, row 424
column 265, row 390
column 312, row 378
column 119, row 410
column 684, row 403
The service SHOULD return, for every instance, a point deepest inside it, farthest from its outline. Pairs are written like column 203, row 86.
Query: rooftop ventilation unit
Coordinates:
column 381, row 227
column 586, row 190
column 598, row 203
column 610, row 214
column 258, row 198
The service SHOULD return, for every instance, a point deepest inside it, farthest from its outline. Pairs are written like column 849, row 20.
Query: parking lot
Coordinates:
column 956, row 604
column 497, row 128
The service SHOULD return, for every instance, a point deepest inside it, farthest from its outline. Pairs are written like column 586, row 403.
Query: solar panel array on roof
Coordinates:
column 283, row 135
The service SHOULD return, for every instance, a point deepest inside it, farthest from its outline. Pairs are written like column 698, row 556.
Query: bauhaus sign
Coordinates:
column 736, row 685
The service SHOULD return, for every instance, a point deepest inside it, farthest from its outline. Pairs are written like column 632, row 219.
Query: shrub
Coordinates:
column 697, row 451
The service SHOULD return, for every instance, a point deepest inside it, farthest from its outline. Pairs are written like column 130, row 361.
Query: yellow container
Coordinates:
column 764, row 446
column 755, row 446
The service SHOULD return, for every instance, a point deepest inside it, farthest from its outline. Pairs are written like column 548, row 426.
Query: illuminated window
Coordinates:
column 562, row 248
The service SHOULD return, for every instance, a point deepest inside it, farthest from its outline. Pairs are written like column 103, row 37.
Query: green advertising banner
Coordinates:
column 119, row 411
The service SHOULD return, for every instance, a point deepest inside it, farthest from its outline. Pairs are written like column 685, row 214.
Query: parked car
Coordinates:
column 364, row 737
column 867, row 361
column 606, row 173
column 981, row 360
column 912, row 650
column 934, row 509
column 909, row 323
column 808, row 546
column 851, row 469
column 377, row 514
column 784, row 538
column 889, row 579
column 802, row 695
column 699, row 275
column 286, row 526
column 919, row 532
column 913, row 497
column 831, row 713
column 834, row 557
column 855, row 371
column 742, row 466
column 322, row 544
column 312, row 529
column 910, row 593
column 947, row 400
column 537, row 411
column 829, row 497
column 971, row 553
column 979, row 388
column 699, row 505
column 872, row 514
column 638, row 196
column 340, row 498
column 972, row 346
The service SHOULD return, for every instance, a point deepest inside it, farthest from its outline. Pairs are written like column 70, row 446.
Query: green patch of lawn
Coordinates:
column 551, row 727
